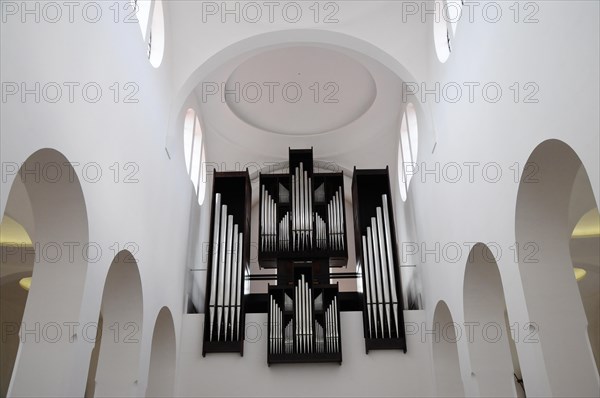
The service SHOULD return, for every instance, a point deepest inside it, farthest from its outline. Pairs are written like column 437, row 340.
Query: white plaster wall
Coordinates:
column 152, row 214
column 380, row 373
column 559, row 54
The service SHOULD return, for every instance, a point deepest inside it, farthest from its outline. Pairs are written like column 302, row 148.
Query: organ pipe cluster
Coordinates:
column 269, row 222
column 304, row 316
column 382, row 298
column 335, row 212
column 275, row 342
column 299, row 227
column 321, row 232
column 284, row 238
column 226, row 282
column 302, row 210
column 302, row 333
column 331, row 339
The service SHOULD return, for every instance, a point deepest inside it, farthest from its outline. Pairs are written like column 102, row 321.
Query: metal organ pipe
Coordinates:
column 262, row 218
column 215, row 261
column 340, row 214
column 229, row 288
column 294, row 211
column 310, row 212
column 238, row 286
column 271, row 211
column 366, row 268
column 301, row 210
column 220, row 277
column 336, row 339
column 378, row 272
column 273, row 225
column 271, row 323
column 225, row 284
column 380, row 277
column 373, row 257
column 384, row 269
column 226, row 269
column 335, row 220
column 297, row 317
column 304, row 320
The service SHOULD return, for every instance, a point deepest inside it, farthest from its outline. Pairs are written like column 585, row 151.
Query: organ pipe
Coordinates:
column 379, row 274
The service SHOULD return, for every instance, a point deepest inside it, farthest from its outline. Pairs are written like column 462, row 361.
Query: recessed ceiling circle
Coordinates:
column 299, row 90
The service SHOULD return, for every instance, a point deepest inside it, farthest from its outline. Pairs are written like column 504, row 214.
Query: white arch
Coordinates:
column 484, row 307
column 446, row 364
column 551, row 293
column 122, row 317
column 161, row 375
column 59, row 216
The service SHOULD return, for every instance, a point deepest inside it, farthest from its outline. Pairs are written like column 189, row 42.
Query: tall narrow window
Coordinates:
column 452, row 13
column 194, row 153
column 151, row 20
column 407, row 149
column 188, row 137
column 443, row 29
column 202, row 182
column 142, row 12
column 156, row 36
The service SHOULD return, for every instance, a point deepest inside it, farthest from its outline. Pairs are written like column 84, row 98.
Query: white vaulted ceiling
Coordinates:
column 300, row 90
column 346, row 97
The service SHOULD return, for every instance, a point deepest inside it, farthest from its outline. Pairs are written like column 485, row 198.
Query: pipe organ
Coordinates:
column 304, row 213
column 304, row 321
column 302, row 234
column 227, row 263
column 377, row 260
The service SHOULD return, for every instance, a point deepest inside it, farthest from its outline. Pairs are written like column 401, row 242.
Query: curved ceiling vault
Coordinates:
column 253, row 101
column 300, row 90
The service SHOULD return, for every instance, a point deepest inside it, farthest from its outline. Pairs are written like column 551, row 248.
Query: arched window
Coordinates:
column 447, row 15
column 407, row 149
column 152, row 25
column 194, row 153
